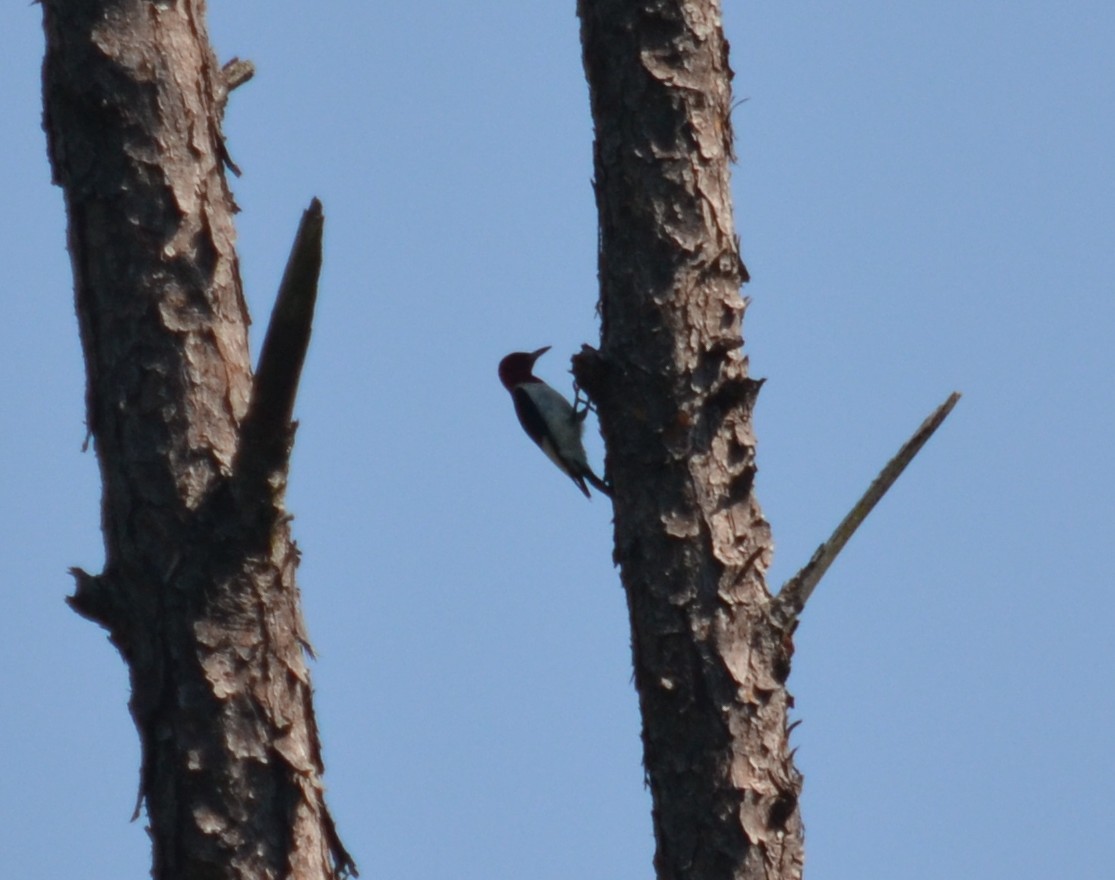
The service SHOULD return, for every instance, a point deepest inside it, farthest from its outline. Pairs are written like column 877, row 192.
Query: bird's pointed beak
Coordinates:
column 535, row 355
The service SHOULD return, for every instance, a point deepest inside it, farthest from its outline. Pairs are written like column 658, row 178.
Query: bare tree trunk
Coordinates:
column 711, row 645
column 675, row 402
column 198, row 590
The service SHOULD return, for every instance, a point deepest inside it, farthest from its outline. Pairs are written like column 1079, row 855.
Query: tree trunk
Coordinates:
column 675, row 401
column 198, row 590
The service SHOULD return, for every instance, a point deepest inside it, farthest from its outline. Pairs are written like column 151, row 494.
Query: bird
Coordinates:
column 549, row 419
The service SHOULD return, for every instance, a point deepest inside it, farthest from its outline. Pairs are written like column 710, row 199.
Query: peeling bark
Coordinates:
column 675, row 401
column 198, row 590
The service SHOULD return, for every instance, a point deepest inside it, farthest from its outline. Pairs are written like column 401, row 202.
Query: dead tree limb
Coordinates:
column 797, row 590
column 266, row 431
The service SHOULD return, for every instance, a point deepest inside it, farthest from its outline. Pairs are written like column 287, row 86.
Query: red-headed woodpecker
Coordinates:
column 549, row 419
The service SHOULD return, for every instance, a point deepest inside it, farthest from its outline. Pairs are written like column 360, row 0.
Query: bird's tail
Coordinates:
column 598, row 484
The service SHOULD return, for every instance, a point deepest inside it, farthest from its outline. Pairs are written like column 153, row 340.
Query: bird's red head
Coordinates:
column 518, row 367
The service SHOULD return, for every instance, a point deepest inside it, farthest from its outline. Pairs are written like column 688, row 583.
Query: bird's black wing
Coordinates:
column 529, row 416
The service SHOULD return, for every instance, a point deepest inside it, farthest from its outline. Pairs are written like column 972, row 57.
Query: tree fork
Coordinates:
column 198, row 590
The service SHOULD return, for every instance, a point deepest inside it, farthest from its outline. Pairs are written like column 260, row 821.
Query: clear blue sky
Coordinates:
column 926, row 198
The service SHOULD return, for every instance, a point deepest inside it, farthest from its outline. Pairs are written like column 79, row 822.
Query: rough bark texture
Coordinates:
column 675, row 401
column 198, row 590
